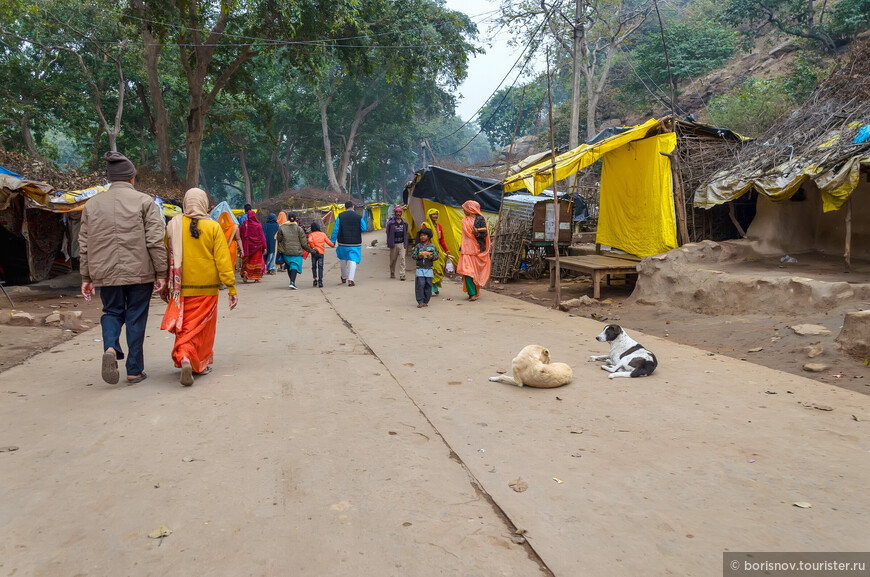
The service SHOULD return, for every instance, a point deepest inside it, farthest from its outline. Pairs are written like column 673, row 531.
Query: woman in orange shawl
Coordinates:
column 474, row 264
column 199, row 262
column 279, row 262
column 231, row 232
column 254, row 247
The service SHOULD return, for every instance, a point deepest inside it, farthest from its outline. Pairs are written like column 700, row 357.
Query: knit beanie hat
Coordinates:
column 118, row 167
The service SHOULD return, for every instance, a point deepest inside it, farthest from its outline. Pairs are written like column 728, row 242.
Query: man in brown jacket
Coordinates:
column 123, row 253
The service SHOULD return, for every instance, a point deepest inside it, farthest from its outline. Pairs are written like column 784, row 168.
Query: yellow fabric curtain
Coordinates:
column 636, row 210
column 540, row 178
column 376, row 217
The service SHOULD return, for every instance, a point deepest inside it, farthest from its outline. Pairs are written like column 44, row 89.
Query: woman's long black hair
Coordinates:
column 194, row 229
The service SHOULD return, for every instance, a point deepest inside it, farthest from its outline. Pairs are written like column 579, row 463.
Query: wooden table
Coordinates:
column 597, row 266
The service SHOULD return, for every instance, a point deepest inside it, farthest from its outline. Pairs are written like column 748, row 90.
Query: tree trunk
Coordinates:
column 194, row 137
column 95, row 158
column 285, row 166
column 204, row 181
column 27, row 136
column 334, row 186
column 267, row 188
column 384, row 179
column 579, row 36
column 151, row 52
column 249, row 192
column 361, row 112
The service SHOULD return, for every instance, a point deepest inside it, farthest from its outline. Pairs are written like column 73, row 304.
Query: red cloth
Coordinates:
column 473, row 262
column 195, row 339
column 253, row 266
column 251, row 232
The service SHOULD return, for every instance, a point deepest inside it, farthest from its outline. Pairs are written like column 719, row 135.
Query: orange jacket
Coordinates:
column 318, row 241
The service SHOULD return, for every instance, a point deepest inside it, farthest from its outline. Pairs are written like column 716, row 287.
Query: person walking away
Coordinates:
column 270, row 229
column 474, row 263
column 318, row 240
column 244, row 216
column 425, row 254
column 443, row 254
column 347, row 232
column 292, row 244
column 397, row 241
column 282, row 218
column 227, row 222
column 122, row 253
column 199, row 262
column 253, row 246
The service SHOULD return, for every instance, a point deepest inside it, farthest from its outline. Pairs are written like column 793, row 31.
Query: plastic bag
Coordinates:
column 449, row 268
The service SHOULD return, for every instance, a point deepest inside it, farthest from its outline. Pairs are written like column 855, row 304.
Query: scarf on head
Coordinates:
column 253, row 237
column 195, row 207
column 282, row 218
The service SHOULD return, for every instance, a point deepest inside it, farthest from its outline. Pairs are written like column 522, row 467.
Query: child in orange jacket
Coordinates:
column 318, row 241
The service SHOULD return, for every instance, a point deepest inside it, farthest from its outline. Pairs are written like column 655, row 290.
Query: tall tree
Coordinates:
column 589, row 33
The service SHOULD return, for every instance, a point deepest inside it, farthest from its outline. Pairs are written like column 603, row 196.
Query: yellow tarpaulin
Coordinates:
column 636, row 211
column 450, row 219
column 540, row 177
column 171, row 210
column 376, row 217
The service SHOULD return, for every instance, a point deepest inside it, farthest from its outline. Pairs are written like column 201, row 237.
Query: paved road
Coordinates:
column 346, row 432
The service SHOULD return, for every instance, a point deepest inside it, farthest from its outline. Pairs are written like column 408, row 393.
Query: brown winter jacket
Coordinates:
column 292, row 240
column 121, row 238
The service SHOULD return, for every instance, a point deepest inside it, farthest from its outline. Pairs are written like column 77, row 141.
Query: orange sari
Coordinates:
column 229, row 228
column 474, row 264
column 195, row 340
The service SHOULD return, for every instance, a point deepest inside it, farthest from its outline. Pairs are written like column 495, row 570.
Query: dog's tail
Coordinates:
column 644, row 367
column 505, row 379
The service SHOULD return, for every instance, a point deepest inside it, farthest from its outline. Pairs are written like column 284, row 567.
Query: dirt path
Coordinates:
column 345, row 432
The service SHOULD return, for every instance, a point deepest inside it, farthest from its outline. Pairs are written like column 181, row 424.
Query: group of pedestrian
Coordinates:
column 129, row 254
column 432, row 256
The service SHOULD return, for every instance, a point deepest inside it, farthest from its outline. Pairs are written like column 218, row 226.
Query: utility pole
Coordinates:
column 556, row 271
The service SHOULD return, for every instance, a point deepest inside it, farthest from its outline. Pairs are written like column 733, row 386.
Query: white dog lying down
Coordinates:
column 627, row 357
column 532, row 368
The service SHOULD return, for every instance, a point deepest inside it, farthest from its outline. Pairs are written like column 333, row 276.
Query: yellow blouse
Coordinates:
column 205, row 261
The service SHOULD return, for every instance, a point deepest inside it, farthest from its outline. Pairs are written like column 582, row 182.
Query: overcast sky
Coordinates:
column 485, row 71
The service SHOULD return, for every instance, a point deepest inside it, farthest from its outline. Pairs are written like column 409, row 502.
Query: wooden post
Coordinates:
column 557, row 274
column 848, row 255
column 677, row 180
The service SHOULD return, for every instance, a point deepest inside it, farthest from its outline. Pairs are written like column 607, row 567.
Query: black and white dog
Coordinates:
column 627, row 357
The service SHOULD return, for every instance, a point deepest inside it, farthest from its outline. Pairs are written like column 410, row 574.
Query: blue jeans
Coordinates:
column 270, row 261
column 126, row 304
column 317, row 266
column 423, row 289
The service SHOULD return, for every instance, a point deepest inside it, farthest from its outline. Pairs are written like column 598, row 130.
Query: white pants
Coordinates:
column 348, row 269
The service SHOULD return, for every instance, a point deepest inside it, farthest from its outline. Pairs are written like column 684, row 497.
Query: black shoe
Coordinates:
column 315, row 283
column 320, row 284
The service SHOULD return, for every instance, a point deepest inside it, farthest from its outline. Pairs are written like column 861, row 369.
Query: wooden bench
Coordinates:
column 597, row 266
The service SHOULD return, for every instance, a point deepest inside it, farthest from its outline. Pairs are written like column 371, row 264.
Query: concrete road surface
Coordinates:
column 346, row 432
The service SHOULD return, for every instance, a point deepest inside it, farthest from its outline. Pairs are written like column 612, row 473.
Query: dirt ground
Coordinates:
column 344, row 431
column 730, row 335
column 20, row 341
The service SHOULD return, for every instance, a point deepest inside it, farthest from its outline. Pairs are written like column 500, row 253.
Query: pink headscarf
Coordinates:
column 472, row 207
column 251, row 233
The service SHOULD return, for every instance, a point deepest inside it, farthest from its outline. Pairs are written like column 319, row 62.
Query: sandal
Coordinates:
column 204, row 372
column 109, row 371
column 137, row 379
column 186, row 373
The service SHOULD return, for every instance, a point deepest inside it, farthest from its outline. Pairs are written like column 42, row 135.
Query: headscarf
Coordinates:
column 229, row 227
column 282, row 218
column 253, row 237
column 223, row 208
column 195, row 206
column 269, row 230
column 471, row 206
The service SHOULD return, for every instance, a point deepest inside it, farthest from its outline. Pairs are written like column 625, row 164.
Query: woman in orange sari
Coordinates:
column 474, row 264
column 199, row 262
column 279, row 262
column 231, row 232
column 254, row 248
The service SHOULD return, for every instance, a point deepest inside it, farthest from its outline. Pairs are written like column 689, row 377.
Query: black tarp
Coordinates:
column 453, row 188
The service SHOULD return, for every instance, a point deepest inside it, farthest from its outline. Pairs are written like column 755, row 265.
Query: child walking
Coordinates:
column 425, row 253
column 318, row 241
